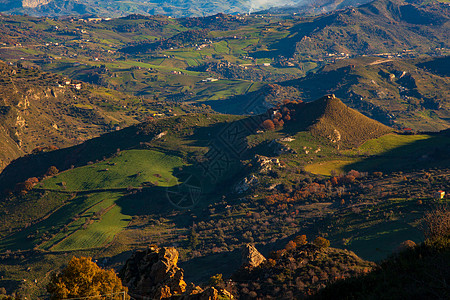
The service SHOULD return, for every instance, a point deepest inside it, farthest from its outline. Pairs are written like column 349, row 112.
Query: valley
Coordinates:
column 313, row 139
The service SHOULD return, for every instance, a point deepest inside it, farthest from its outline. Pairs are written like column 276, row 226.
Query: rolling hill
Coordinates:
column 177, row 8
column 380, row 27
column 329, row 118
column 42, row 112
column 402, row 93
column 160, row 180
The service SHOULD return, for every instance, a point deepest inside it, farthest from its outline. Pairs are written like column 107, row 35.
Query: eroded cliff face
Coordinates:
column 34, row 3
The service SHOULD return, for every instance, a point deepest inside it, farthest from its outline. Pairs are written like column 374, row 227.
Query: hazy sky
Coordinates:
column 259, row 4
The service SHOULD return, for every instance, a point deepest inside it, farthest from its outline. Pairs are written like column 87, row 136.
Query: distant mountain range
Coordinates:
column 176, row 8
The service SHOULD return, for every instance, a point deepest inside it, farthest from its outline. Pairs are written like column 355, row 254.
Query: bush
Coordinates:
column 83, row 278
column 216, row 280
column 290, row 246
column 301, row 240
column 436, row 223
column 52, row 171
column 321, row 242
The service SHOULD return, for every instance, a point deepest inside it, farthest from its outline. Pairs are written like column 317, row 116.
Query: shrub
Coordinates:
column 436, row 223
column 216, row 280
column 83, row 278
column 301, row 240
column 321, row 242
column 290, row 246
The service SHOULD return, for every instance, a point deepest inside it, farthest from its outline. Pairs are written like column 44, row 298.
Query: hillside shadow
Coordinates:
column 422, row 154
column 227, row 147
column 286, row 47
column 149, row 201
column 63, row 159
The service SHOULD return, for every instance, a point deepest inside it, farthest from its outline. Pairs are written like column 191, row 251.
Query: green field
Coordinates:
column 389, row 142
column 97, row 234
column 92, row 218
column 387, row 153
column 62, row 222
column 129, row 168
column 327, row 167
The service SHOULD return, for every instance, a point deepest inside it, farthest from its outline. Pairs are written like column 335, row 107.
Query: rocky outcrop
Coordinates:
column 264, row 164
column 279, row 148
column 154, row 273
column 245, row 184
column 251, row 257
column 34, row 3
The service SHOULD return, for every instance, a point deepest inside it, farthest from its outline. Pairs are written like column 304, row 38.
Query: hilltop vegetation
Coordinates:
column 298, row 271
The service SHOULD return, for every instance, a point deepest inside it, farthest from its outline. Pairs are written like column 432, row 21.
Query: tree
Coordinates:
column 217, row 281
column 52, row 171
column 193, row 239
column 291, row 245
column 83, row 278
column 268, row 125
column 436, row 223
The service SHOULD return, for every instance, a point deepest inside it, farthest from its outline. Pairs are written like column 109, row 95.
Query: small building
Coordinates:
column 408, row 131
column 439, row 195
column 210, row 79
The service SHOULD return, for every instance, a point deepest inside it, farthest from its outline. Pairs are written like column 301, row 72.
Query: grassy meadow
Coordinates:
column 131, row 168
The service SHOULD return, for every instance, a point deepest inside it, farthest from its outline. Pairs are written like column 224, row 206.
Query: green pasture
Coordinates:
column 223, row 89
column 389, row 142
column 387, row 153
column 96, row 234
column 327, row 167
column 53, row 224
column 97, row 211
column 129, row 168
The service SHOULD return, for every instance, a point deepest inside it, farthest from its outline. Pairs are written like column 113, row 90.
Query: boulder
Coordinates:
column 154, row 273
column 245, row 184
column 251, row 257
